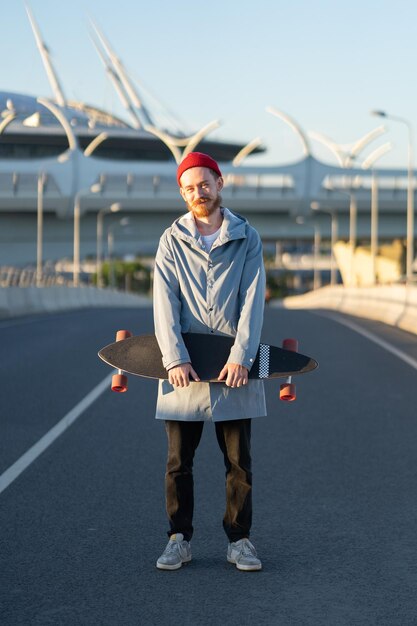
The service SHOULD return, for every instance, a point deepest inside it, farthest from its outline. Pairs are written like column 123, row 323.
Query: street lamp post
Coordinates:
column 96, row 188
column 316, row 250
column 317, row 244
column 368, row 163
column 110, row 246
column 315, row 206
column 353, row 218
column 410, row 192
column 113, row 208
column 353, row 221
column 74, row 153
column 39, row 245
column 374, row 226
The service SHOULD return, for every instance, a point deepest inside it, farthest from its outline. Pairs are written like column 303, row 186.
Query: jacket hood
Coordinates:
column 234, row 226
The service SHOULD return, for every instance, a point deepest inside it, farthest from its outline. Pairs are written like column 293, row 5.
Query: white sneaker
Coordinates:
column 177, row 552
column 243, row 554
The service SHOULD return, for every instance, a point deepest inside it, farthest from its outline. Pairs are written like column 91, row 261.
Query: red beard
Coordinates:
column 203, row 207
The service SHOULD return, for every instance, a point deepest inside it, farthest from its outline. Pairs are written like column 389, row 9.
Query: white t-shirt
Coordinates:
column 208, row 240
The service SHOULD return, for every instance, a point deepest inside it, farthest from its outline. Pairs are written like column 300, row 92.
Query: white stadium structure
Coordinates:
column 60, row 158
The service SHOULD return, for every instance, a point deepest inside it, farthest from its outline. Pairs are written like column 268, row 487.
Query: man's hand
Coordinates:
column 179, row 376
column 236, row 375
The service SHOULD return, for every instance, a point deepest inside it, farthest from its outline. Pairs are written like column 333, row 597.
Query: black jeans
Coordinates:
column 234, row 440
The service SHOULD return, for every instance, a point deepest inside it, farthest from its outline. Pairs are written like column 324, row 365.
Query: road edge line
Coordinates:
column 372, row 337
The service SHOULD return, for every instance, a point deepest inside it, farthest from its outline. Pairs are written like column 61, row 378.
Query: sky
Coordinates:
column 325, row 63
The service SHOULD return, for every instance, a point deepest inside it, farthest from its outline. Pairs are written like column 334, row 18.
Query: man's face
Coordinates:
column 200, row 189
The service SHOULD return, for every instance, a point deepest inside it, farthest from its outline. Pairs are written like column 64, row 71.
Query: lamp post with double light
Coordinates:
column 368, row 164
column 110, row 246
column 353, row 219
column 410, row 192
column 113, row 208
column 96, row 188
column 301, row 221
column 39, row 242
column 316, row 206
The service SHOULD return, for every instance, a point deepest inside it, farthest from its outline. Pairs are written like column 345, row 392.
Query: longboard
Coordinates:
column 140, row 355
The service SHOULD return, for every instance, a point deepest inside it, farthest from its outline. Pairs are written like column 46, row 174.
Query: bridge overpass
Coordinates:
column 270, row 197
column 54, row 152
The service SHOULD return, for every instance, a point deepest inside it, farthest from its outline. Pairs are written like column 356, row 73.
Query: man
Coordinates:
column 209, row 278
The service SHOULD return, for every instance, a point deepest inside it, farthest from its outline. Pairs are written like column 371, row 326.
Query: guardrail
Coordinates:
column 28, row 277
column 392, row 304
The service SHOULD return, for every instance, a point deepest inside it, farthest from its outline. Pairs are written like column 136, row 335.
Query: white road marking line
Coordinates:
column 40, row 446
column 372, row 337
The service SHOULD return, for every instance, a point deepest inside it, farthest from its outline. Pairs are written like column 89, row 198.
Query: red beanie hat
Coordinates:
column 197, row 159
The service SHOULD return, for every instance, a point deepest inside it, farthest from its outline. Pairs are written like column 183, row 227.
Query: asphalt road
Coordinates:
column 335, row 484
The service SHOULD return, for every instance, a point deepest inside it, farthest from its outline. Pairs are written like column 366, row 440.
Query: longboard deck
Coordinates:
column 140, row 355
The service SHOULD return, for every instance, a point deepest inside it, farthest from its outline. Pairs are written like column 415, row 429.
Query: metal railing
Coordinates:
column 28, row 277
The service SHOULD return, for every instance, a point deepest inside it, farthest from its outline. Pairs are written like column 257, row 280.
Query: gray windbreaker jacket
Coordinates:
column 221, row 292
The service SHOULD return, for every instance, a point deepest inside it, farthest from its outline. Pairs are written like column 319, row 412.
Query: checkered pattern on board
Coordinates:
column 263, row 361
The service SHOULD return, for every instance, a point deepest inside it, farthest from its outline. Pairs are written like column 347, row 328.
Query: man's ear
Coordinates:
column 220, row 183
column 182, row 194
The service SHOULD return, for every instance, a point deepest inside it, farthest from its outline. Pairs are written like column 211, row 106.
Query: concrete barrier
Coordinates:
column 17, row 301
column 391, row 304
column 395, row 304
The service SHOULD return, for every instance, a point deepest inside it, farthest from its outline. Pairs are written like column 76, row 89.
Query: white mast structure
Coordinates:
column 46, row 59
column 121, row 73
column 119, row 77
column 115, row 80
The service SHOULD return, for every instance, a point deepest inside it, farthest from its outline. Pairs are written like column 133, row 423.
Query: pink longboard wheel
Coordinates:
column 119, row 383
column 290, row 344
column 287, row 392
column 123, row 334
